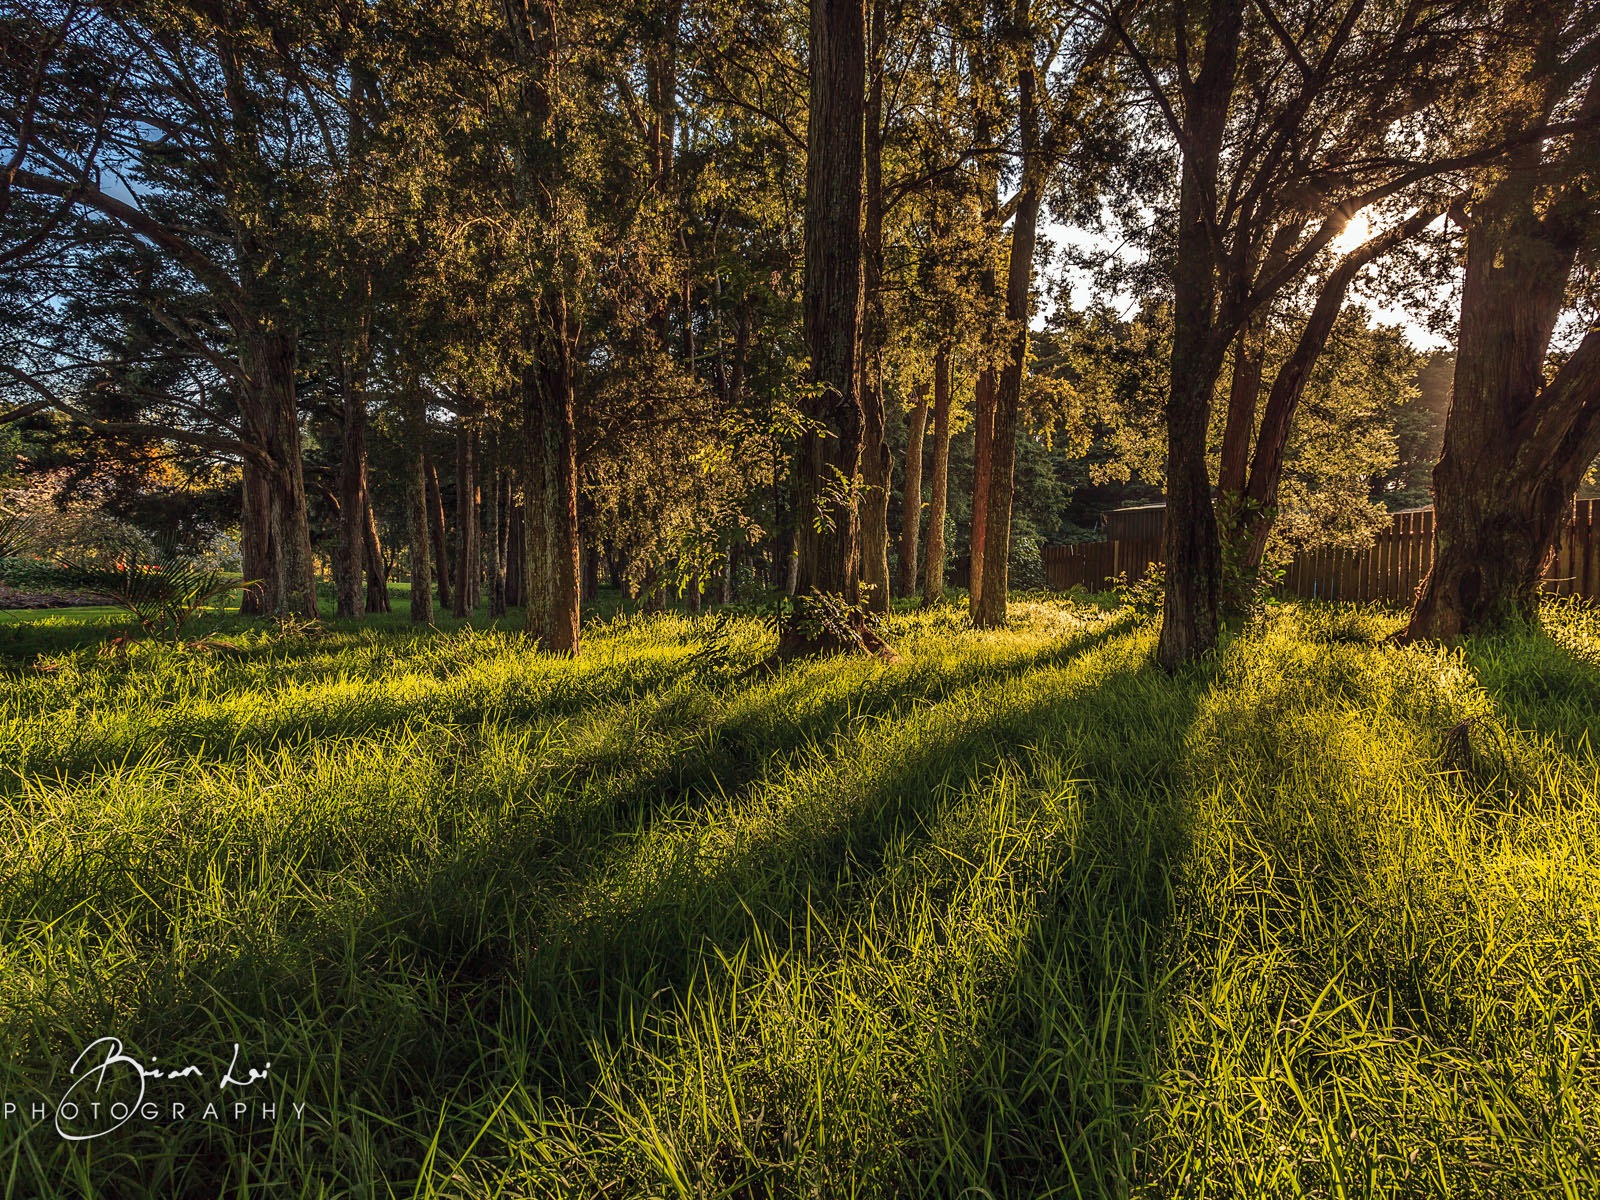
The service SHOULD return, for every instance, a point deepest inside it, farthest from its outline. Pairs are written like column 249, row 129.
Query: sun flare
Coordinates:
column 1357, row 231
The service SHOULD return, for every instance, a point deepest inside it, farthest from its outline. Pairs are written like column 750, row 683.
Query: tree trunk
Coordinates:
column 535, row 512
column 493, row 534
column 258, row 558
column 911, row 496
column 989, row 601
column 372, row 556
column 466, row 520
column 1191, row 611
column 1244, row 393
column 933, row 567
column 1515, row 447
column 416, row 411
column 276, row 526
column 875, row 483
column 826, row 524
column 551, row 458
column 876, row 470
column 350, row 555
column 987, row 175
column 516, row 555
column 1247, row 504
column 983, row 400
column 553, row 485
column 441, row 547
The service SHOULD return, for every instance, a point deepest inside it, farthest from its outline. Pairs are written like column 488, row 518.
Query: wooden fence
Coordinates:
column 1390, row 569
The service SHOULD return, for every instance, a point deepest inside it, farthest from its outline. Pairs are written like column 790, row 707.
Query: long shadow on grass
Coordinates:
column 557, row 937
column 671, row 750
column 1050, row 1086
column 548, row 692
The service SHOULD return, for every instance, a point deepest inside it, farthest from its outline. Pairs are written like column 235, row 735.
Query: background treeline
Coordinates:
column 518, row 297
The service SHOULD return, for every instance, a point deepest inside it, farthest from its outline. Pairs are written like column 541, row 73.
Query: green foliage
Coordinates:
column 824, row 619
column 1143, row 595
column 163, row 596
column 35, row 574
column 17, row 534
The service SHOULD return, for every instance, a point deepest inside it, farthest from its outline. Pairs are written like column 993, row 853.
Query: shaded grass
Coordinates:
column 1018, row 915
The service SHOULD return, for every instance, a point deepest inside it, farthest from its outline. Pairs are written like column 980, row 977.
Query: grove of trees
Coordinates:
column 843, row 301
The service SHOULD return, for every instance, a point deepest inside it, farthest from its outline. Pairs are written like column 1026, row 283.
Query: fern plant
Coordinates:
column 164, row 596
column 16, row 534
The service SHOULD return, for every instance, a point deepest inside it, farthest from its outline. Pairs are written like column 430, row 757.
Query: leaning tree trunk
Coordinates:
column 825, row 517
column 1233, row 472
column 938, row 499
column 1515, row 446
column 911, row 497
column 1247, row 503
column 416, row 430
column 372, row 558
column 441, row 545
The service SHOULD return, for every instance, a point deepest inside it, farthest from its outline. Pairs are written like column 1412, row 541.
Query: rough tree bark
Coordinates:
column 938, row 498
column 554, row 582
column 1515, row 446
column 551, row 468
column 276, row 531
column 826, row 524
column 1191, row 609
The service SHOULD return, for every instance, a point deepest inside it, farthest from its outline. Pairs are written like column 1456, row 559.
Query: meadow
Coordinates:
column 1018, row 915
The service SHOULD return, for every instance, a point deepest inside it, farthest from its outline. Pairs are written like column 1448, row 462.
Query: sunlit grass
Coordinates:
column 1018, row 915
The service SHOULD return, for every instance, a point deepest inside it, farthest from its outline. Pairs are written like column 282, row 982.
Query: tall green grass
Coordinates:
column 1018, row 915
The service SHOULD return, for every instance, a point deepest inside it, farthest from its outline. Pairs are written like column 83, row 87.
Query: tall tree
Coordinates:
column 828, row 533
column 1522, row 430
column 1285, row 126
column 205, row 111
